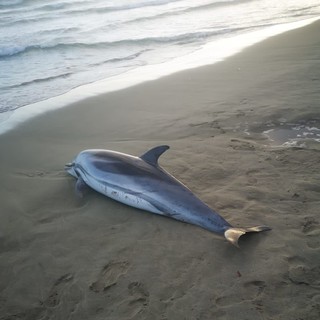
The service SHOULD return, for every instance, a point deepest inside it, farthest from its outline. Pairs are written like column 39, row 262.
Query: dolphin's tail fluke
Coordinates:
column 233, row 234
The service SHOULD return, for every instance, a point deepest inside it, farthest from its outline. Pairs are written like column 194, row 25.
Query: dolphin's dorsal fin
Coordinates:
column 153, row 155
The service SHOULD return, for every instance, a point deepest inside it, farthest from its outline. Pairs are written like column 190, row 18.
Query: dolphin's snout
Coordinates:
column 69, row 167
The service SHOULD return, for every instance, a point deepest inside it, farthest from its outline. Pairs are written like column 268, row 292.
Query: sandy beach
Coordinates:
column 67, row 258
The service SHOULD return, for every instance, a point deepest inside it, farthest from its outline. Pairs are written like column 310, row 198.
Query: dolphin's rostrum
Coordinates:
column 140, row 182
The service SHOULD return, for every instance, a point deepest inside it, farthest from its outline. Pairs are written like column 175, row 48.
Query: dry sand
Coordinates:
column 64, row 258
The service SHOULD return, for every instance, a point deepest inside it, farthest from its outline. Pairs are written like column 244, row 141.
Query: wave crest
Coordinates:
column 180, row 39
column 11, row 50
column 10, row 3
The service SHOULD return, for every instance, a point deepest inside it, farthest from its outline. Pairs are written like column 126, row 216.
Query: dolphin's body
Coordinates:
column 140, row 182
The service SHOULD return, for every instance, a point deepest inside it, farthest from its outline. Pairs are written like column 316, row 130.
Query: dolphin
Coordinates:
column 140, row 182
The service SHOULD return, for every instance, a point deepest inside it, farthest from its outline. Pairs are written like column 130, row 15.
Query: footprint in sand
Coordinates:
column 237, row 144
column 313, row 243
column 109, row 276
column 138, row 298
column 257, row 286
column 252, row 291
column 300, row 273
column 303, row 275
column 310, row 227
column 57, row 290
column 309, row 224
column 138, row 293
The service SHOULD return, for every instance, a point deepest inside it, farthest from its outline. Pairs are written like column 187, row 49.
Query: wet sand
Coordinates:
column 92, row 258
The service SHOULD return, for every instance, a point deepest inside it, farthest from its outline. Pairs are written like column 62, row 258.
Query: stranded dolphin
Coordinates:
column 140, row 182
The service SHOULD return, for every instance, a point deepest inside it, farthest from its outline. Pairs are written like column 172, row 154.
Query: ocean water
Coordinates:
column 50, row 47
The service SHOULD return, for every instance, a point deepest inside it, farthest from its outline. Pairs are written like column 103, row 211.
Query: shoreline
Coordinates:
column 62, row 257
column 211, row 53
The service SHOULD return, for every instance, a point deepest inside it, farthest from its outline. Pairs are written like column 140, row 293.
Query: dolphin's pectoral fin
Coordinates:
column 233, row 234
column 153, row 154
column 80, row 188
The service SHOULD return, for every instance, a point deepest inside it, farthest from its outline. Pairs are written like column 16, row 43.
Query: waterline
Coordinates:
column 210, row 53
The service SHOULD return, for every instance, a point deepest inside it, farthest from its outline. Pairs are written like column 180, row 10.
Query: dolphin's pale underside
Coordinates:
column 140, row 182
